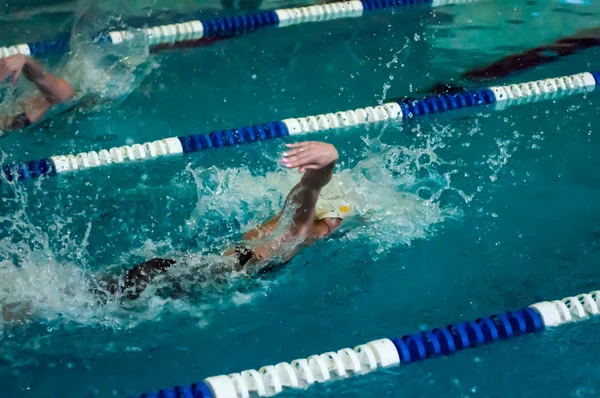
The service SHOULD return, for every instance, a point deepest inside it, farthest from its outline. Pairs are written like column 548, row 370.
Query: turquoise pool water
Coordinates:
column 467, row 214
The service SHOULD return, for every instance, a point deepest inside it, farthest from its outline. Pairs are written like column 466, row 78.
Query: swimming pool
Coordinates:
column 511, row 220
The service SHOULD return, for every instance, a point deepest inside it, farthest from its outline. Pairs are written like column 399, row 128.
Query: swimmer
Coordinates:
column 303, row 220
column 527, row 59
column 537, row 56
column 52, row 91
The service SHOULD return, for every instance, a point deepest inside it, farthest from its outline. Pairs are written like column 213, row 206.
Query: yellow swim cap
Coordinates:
column 332, row 208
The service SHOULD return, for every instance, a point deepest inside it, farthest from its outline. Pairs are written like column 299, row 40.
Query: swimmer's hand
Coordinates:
column 12, row 65
column 309, row 155
column 53, row 90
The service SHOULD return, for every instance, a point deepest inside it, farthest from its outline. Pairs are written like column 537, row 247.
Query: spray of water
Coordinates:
column 100, row 74
column 398, row 57
column 107, row 72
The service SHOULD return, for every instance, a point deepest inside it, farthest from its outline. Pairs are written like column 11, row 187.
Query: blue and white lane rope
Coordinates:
column 230, row 26
column 385, row 353
column 499, row 96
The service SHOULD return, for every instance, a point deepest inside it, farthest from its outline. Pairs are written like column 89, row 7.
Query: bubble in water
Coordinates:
column 424, row 159
column 451, row 199
column 425, row 193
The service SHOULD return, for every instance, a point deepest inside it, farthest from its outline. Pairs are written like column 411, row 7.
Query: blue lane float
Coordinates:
column 386, row 353
column 228, row 26
column 499, row 97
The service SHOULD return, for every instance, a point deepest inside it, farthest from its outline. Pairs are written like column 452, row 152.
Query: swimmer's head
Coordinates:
column 332, row 208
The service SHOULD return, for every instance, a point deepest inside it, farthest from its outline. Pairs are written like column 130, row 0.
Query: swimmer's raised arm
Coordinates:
column 54, row 89
column 317, row 161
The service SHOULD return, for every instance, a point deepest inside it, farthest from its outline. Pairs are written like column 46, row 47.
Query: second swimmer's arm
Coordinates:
column 54, row 89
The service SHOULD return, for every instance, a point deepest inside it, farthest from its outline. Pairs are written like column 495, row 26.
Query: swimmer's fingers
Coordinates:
column 306, row 165
column 294, row 152
column 16, row 76
column 300, row 154
column 301, row 160
column 298, row 147
column 296, row 158
column 311, row 153
column 293, row 165
column 5, row 72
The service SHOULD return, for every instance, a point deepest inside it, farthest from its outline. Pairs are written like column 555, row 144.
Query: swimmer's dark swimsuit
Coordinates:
column 243, row 255
column 20, row 122
column 137, row 278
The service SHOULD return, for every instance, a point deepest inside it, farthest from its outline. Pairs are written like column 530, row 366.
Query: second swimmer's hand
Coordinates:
column 310, row 155
column 12, row 65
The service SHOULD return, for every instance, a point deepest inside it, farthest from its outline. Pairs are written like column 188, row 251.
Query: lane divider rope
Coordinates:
column 385, row 353
column 498, row 96
column 229, row 26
